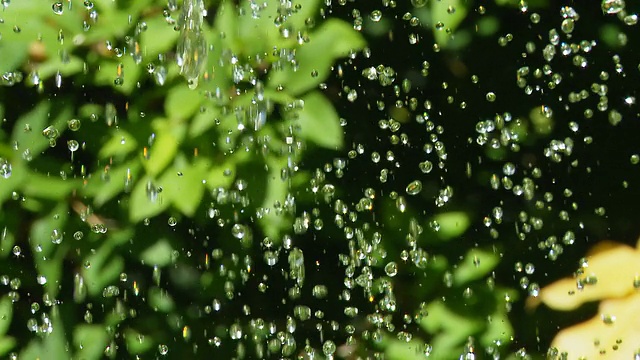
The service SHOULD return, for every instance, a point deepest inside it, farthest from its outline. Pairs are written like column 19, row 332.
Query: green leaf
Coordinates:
column 120, row 143
column 144, row 203
column 476, row 264
column 183, row 184
column 90, row 340
column 449, row 328
column 66, row 68
column 19, row 173
column 6, row 344
column 49, row 187
column 136, row 342
column 498, row 329
column 160, row 37
column 105, row 186
column 27, row 132
column 221, row 176
column 162, row 152
column 319, row 122
column 158, row 254
column 18, row 51
column 160, row 300
column 452, row 224
column 203, row 121
column 334, row 39
column 182, row 102
column 108, row 72
column 273, row 223
column 440, row 13
column 402, row 350
column 226, row 23
column 308, row 9
column 6, row 314
column 103, row 268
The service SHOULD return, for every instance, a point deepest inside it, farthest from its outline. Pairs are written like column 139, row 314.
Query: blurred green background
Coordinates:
column 317, row 179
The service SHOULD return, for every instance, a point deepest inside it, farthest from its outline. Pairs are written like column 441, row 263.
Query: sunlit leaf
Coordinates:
column 273, row 223
column 90, row 340
column 159, row 37
column 160, row 300
column 332, row 40
column 452, row 224
column 183, row 184
column 159, row 253
column 450, row 329
column 6, row 314
column 101, row 268
column 319, row 122
column 446, row 15
column 401, row 350
column 611, row 273
column 120, row 143
column 182, row 103
column 146, row 201
column 27, row 133
column 7, row 343
column 613, row 333
column 475, row 265
column 121, row 73
column 134, row 343
column 161, row 153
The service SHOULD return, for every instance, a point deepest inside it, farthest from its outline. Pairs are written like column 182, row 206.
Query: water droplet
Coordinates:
column 414, row 187
column 56, row 236
column 57, row 8
column 5, row 168
column 612, row 6
column 391, row 269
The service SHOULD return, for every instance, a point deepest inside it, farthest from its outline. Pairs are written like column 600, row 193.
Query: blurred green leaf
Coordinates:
column 68, row 67
column 319, row 122
column 19, row 51
column 183, row 184
column 182, row 102
column 334, row 39
column 158, row 254
column 449, row 13
column 145, row 201
column 452, row 224
column 276, row 190
column 107, row 74
column 103, row 267
column 120, row 143
column 27, row 132
column 49, row 187
column 6, row 314
column 160, row 300
column 6, row 344
column 226, row 23
column 159, row 37
column 136, row 342
column 162, row 152
column 402, row 350
column 475, row 265
column 449, row 328
column 90, row 340
column 498, row 329
column 105, row 186
column 221, row 176
column 51, row 346
column 203, row 121
column 8, row 185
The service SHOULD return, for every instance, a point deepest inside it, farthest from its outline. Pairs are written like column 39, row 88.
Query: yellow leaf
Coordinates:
column 614, row 333
column 610, row 273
